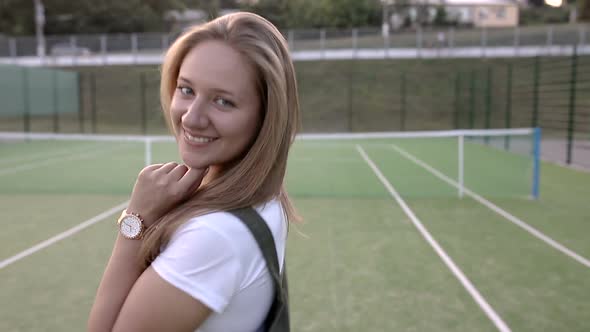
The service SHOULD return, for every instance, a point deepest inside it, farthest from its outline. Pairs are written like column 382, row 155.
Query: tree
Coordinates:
column 17, row 17
column 86, row 16
column 440, row 17
column 319, row 13
column 584, row 10
column 275, row 11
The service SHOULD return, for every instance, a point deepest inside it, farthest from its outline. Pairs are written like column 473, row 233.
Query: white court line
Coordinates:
column 323, row 160
column 62, row 235
column 51, row 161
column 533, row 231
column 53, row 154
column 483, row 304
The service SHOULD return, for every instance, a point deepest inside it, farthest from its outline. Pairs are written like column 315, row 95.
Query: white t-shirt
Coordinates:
column 215, row 259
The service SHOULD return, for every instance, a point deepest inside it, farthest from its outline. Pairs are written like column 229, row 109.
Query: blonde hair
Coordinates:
column 259, row 175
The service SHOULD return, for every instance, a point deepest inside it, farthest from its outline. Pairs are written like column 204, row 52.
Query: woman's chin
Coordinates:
column 195, row 163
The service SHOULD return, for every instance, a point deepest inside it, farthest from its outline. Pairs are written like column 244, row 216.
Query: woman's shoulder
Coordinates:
column 226, row 224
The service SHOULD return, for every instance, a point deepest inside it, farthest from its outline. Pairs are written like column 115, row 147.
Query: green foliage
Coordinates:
column 440, row 17
column 108, row 16
column 319, row 13
column 86, row 16
column 16, row 17
column 584, row 10
column 540, row 15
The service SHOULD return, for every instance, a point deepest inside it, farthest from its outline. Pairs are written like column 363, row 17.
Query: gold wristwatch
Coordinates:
column 131, row 225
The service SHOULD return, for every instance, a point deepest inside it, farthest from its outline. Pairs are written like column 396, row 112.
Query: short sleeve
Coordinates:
column 202, row 262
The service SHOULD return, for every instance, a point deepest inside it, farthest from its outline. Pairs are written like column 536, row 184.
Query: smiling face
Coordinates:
column 215, row 109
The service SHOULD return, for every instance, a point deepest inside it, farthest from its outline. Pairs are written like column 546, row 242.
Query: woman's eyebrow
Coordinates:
column 214, row 89
column 182, row 78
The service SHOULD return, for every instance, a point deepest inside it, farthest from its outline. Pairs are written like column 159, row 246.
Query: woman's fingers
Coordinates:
column 178, row 172
column 167, row 168
column 192, row 178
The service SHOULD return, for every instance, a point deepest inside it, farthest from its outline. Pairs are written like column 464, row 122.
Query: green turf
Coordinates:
column 361, row 265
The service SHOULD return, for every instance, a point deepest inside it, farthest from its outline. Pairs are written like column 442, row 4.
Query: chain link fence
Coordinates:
column 340, row 96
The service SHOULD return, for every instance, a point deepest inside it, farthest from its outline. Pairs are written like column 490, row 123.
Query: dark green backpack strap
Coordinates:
column 278, row 315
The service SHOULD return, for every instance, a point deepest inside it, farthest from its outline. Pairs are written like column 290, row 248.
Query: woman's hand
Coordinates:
column 161, row 186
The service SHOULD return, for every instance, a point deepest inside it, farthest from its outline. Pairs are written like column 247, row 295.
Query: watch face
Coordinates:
column 130, row 226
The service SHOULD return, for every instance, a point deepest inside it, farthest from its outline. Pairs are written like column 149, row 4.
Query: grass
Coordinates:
column 361, row 265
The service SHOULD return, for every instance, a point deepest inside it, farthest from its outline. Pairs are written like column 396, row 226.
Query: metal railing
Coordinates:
column 321, row 39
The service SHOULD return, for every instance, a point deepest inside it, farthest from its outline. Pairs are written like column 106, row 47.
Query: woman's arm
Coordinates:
column 129, row 300
column 157, row 189
column 120, row 275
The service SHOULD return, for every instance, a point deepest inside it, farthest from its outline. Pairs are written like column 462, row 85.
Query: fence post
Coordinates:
column 572, row 105
column 93, row 102
column 12, row 49
column 103, row 48
column 386, row 45
column 419, row 41
column 508, row 115
column 26, row 105
column 516, row 40
column 73, row 44
column 134, row 47
column 165, row 41
column 80, row 78
column 549, row 39
column 142, row 103
column 291, row 40
column 323, row 43
column 402, row 115
column 451, row 41
column 457, row 101
column 536, row 78
column 350, row 95
column 55, row 101
column 472, row 100
column 488, row 118
column 484, row 41
column 354, row 41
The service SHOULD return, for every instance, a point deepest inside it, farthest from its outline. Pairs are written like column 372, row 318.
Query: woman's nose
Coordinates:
column 197, row 115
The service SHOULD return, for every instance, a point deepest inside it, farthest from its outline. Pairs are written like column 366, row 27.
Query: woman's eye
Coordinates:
column 223, row 102
column 185, row 90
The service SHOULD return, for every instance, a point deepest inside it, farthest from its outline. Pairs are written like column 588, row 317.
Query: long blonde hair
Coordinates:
column 259, row 175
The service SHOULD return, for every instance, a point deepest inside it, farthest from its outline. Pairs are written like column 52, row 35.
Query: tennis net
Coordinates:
column 493, row 162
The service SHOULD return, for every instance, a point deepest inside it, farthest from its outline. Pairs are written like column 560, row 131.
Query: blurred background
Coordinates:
column 362, row 65
column 443, row 171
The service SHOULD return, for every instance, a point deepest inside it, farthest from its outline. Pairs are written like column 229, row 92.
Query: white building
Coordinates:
column 478, row 13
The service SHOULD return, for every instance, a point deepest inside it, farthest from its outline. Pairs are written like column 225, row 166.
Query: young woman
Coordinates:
column 229, row 95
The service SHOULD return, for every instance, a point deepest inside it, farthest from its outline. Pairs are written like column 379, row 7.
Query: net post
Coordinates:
column 148, row 151
column 461, row 166
column 536, row 162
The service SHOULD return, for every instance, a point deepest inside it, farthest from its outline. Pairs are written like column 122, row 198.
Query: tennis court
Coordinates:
column 388, row 244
